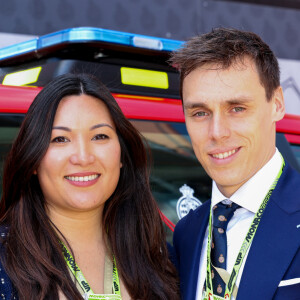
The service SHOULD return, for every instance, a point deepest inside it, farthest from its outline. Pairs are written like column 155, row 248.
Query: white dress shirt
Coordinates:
column 249, row 196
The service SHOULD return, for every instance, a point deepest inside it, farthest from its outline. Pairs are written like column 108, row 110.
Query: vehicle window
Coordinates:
column 174, row 165
column 9, row 128
column 173, row 161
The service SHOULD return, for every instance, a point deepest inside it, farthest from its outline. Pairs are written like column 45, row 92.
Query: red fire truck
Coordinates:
column 135, row 69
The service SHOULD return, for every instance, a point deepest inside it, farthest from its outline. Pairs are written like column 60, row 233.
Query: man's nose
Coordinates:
column 219, row 127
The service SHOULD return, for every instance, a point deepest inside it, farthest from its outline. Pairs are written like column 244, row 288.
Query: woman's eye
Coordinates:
column 60, row 139
column 100, row 137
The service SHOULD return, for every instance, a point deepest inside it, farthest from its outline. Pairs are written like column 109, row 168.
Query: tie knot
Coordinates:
column 222, row 214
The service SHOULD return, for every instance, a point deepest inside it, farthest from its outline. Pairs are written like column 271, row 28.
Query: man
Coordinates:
column 232, row 100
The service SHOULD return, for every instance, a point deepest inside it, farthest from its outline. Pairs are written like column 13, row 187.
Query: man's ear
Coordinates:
column 278, row 104
column 35, row 172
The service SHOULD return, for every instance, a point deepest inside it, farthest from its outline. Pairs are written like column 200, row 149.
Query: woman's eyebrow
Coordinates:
column 101, row 125
column 62, row 128
column 92, row 128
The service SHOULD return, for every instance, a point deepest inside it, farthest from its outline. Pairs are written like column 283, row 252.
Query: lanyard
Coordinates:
column 243, row 250
column 89, row 295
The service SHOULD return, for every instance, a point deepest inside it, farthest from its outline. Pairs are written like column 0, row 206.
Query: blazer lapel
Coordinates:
column 275, row 243
column 190, row 252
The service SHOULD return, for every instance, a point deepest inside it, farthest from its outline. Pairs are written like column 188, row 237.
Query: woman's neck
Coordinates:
column 81, row 229
column 85, row 240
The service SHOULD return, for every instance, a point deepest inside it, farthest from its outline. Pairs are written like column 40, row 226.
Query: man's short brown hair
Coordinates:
column 223, row 47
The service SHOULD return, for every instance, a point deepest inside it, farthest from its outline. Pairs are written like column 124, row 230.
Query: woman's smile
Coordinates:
column 83, row 179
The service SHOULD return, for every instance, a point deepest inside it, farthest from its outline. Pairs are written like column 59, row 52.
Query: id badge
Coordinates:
column 210, row 296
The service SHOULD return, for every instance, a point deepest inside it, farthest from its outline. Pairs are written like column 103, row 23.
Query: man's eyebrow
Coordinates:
column 193, row 105
column 241, row 100
column 234, row 101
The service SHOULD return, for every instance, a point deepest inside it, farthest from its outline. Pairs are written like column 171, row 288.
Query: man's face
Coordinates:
column 230, row 122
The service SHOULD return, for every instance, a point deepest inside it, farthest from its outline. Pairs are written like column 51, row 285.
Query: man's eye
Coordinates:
column 100, row 137
column 200, row 114
column 60, row 139
column 238, row 109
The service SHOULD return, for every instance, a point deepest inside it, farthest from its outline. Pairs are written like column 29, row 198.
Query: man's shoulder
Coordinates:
column 287, row 191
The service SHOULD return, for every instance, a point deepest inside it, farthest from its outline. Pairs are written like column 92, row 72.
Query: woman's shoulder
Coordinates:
column 3, row 231
column 6, row 287
column 5, row 283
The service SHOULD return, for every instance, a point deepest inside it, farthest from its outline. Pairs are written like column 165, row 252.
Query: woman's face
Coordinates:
column 81, row 167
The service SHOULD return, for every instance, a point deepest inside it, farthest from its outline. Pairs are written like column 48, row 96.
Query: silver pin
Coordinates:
column 187, row 201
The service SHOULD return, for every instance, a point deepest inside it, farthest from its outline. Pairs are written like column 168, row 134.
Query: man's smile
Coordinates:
column 225, row 154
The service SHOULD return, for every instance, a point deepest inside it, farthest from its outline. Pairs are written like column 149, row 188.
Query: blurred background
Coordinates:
column 277, row 21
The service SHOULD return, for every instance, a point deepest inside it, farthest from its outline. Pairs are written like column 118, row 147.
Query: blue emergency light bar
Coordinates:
column 89, row 34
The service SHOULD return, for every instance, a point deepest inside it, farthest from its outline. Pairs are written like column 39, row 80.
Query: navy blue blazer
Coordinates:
column 274, row 256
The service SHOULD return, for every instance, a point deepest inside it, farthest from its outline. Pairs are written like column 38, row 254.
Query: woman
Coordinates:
column 76, row 201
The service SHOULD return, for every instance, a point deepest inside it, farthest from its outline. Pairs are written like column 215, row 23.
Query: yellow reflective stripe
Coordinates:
column 146, row 78
column 22, row 77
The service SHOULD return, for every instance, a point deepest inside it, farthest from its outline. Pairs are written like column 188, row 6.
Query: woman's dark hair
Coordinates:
column 223, row 47
column 135, row 233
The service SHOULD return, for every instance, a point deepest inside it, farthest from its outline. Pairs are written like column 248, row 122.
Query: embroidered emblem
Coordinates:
column 219, row 289
column 222, row 218
column 221, row 230
column 186, row 202
column 221, row 258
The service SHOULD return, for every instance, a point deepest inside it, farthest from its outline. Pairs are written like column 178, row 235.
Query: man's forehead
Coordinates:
column 238, row 83
column 239, row 63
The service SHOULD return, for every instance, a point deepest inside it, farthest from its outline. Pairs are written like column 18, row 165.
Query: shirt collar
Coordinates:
column 251, row 194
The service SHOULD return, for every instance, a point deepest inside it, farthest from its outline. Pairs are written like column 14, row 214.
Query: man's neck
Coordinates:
column 228, row 191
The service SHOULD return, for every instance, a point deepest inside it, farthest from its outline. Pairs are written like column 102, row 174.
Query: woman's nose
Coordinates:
column 82, row 155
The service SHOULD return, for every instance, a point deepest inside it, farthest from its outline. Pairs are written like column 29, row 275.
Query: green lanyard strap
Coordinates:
column 89, row 295
column 243, row 250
